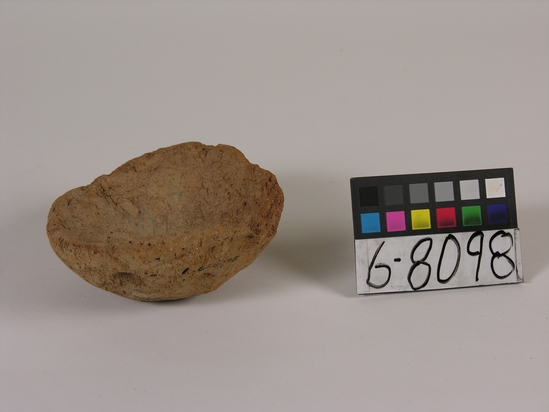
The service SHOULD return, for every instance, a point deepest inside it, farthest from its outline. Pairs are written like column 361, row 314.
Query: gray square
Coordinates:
column 393, row 195
column 419, row 193
column 495, row 187
column 469, row 189
column 444, row 191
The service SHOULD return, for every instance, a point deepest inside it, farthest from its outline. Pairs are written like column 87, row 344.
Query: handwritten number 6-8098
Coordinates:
column 496, row 262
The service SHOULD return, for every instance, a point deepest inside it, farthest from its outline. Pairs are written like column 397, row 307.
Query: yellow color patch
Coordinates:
column 421, row 219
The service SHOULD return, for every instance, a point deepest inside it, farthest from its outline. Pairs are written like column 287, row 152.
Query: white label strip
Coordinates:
column 438, row 261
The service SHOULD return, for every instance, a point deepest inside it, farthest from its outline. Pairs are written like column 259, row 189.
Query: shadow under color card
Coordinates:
column 467, row 217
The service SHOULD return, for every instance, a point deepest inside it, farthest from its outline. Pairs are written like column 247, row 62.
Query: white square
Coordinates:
column 469, row 189
column 495, row 187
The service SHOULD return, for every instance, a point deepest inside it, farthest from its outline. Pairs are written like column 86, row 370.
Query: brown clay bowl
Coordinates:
column 170, row 224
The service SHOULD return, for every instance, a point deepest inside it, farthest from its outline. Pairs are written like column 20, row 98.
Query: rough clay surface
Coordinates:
column 170, row 224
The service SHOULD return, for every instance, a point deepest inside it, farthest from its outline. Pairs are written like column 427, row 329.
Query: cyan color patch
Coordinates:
column 370, row 222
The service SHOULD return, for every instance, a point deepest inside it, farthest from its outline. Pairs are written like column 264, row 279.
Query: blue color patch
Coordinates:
column 497, row 214
column 370, row 222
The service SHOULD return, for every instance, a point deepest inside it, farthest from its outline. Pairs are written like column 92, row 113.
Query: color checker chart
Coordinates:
column 435, row 230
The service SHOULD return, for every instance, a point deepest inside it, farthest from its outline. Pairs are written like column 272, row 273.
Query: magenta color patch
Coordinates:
column 396, row 222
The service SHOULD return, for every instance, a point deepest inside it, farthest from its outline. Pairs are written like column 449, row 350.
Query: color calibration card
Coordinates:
column 435, row 231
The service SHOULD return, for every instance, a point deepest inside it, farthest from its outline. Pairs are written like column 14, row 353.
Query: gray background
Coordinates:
column 316, row 92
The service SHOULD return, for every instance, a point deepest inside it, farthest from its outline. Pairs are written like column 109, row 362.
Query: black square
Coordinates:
column 393, row 195
column 368, row 196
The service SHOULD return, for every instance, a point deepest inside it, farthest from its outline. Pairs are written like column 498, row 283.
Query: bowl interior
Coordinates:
column 178, row 189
